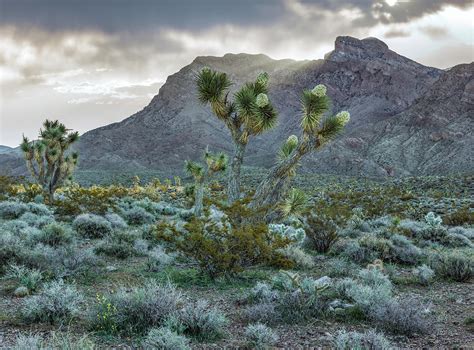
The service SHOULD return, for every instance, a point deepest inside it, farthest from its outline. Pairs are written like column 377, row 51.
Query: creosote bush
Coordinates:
column 223, row 250
column 92, row 226
column 321, row 231
column 55, row 234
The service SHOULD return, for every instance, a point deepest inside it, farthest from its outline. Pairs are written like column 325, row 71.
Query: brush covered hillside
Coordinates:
column 406, row 118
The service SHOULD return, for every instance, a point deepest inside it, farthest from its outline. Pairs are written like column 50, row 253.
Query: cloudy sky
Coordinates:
column 93, row 62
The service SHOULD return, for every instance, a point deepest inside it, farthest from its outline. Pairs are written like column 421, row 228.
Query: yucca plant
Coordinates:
column 316, row 132
column 214, row 163
column 47, row 159
column 250, row 113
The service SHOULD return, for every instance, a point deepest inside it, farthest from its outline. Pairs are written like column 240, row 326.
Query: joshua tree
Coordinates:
column 316, row 132
column 214, row 163
column 249, row 114
column 46, row 157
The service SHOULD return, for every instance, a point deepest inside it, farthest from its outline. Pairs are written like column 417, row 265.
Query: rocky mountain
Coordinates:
column 4, row 149
column 406, row 118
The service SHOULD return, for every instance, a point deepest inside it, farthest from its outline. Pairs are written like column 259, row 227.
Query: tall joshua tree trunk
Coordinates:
column 198, row 198
column 271, row 190
column 233, row 184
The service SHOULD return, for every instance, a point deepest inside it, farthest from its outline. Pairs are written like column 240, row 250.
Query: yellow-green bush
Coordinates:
column 224, row 250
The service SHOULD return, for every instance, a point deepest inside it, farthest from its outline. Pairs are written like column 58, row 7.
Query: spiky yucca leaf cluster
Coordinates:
column 295, row 203
column 46, row 157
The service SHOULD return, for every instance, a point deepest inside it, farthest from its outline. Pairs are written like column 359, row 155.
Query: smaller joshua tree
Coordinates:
column 317, row 131
column 203, row 173
column 46, row 157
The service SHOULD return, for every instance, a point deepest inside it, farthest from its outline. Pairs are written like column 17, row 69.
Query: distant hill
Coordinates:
column 406, row 118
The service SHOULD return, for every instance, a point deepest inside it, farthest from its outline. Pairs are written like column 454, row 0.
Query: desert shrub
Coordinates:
column 137, row 310
column 353, row 251
column 456, row 240
column 165, row 339
column 378, row 248
column 459, row 230
column 372, row 289
column 62, row 261
column 36, row 220
column 55, row 234
column 118, row 244
column 462, row 216
column 403, row 250
column 372, row 340
column 157, row 258
column 137, row 216
column 400, row 317
column 290, row 298
column 39, row 209
column 338, row 267
column 298, row 256
column 56, row 341
column 321, row 231
column 201, row 321
column 453, row 265
column 263, row 312
column 11, row 249
column 12, row 210
column 424, row 274
column 259, row 336
column 74, row 200
column 25, row 277
column 92, row 226
column 224, row 250
column 117, row 222
column 57, row 302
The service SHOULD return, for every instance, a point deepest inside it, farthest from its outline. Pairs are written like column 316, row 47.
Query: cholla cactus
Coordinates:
column 316, row 132
column 47, row 158
column 214, row 163
column 250, row 114
column 433, row 220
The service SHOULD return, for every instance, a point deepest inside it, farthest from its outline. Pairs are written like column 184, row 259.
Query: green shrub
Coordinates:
column 92, row 226
column 165, row 339
column 119, row 245
column 201, row 321
column 55, row 234
column 321, row 231
column 138, row 216
column 424, row 274
column 57, row 302
column 25, row 277
column 117, row 222
column 56, row 341
column 12, row 210
column 401, row 317
column 223, row 250
column 260, row 337
column 138, row 310
column 454, row 265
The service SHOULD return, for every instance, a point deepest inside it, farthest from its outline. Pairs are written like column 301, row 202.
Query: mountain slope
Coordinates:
column 386, row 93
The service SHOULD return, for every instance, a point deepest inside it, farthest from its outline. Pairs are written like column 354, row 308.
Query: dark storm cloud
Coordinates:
column 143, row 15
column 132, row 15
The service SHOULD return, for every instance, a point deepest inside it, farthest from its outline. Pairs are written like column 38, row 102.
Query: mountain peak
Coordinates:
column 348, row 47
